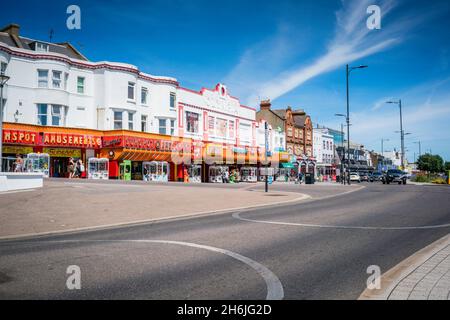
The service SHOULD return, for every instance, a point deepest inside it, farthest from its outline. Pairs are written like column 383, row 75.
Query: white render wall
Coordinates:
column 320, row 153
column 106, row 90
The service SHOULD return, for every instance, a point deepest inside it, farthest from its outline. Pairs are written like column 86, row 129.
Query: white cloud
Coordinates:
column 352, row 41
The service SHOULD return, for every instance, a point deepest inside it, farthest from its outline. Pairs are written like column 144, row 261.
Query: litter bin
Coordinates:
column 309, row 178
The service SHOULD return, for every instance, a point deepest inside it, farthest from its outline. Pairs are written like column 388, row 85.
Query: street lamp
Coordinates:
column 382, row 151
column 343, row 147
column 348, row 71
column 420, row 147
column 3, row 80
column 402, row 134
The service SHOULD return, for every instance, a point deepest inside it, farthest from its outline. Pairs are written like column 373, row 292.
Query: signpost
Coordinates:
column 266, row 136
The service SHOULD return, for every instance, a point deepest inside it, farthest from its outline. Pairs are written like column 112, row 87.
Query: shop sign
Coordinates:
column 17, row 150
column 63, row 152
column 72, row 140
column 161, row 145
column 20, row 137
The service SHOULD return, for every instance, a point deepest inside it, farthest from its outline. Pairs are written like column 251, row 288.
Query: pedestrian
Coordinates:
column 81, row 168
column 71, row 168
column 18, row 164
column 226, row 176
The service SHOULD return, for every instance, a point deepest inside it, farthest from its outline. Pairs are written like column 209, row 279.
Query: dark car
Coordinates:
column 376, row 176
column 394, row 175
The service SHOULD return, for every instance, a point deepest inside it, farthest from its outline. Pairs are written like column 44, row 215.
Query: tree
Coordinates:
column 431, row 163
column 447, row 166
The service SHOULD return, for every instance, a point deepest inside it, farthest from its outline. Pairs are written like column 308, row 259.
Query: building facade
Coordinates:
column 85, row 109
column 324, row 153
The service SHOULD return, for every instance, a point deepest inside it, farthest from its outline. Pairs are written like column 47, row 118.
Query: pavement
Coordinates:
column 73, row 205
column 423, row 276
column 314, row 249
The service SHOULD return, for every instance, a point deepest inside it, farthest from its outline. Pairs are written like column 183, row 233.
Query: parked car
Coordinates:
column 394, row 175
column 364, row 176
column 376, row 176
column 354, row 176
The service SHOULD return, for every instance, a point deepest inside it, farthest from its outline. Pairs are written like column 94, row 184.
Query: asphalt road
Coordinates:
column 319, row 249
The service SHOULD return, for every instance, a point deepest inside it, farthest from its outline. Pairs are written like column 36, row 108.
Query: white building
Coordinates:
column 54, row 84
column 324, row 151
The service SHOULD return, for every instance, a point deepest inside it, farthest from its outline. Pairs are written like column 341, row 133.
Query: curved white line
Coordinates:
column 236, row 215
column 275, row 289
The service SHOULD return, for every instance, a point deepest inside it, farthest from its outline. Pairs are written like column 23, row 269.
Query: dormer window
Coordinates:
column 41, row 47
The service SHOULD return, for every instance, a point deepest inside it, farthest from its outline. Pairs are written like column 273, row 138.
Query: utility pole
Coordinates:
column 3, row 80
column 382, row 152
column 266, row 137
column 348, row 70
column 343, row 153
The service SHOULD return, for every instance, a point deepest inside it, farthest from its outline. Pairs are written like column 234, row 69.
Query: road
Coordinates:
column 318, row 249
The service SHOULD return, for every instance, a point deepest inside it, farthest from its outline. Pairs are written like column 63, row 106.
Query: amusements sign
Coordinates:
column 72, row 140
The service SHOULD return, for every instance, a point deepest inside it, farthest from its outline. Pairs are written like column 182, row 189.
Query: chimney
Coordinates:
column 265, row 104
column 12, row 29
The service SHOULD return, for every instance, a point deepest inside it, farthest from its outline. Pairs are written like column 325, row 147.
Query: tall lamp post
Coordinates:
column 3, row 80
column 343, row 146
column 420, row 147
column 402, row 134
column 348, row 71
column 382, row 151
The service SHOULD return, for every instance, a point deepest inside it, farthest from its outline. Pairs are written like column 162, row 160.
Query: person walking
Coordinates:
column 71, row 168
column 18, row 163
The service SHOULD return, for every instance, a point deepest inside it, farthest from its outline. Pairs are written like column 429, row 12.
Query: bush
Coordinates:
column 439, row 181
column 421, row 178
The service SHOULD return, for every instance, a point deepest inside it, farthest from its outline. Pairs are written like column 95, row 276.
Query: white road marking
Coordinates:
column 275, row 289
column 17, row 191
column 236, row 215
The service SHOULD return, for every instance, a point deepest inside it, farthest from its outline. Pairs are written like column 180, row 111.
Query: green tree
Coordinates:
column 431, row 163
column 447, row 166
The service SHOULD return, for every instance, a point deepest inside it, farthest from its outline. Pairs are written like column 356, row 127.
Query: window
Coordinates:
column 41, row 47
column 172, row 100
column 192, row 120
column 172, row 127
column 231, row 129
column 143, row 123
column 118, row 120
column 211, row 125
column 80, row 85
column 58, row 115
column 42, row 78
column 57, row 79
column 3, row 66
column 42, row 114
column 130, row 120
column 144, row 94
column 162, row 126
column 289, row 132
column 221, row 125
column 66, row 79
column 131, row 90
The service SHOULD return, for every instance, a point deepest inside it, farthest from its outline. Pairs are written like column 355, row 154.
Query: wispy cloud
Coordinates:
column 352, row 41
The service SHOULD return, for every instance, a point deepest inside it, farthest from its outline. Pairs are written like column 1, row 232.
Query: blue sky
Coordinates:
column 293, row 52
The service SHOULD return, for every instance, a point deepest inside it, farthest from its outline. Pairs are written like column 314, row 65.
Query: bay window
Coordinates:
column 80, row 85
column 57, row 79
column 118, row 120
column 42, row 78
column 131, row 86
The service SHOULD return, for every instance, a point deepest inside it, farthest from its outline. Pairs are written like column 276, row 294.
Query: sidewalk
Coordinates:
column 423, row 276
column 77, row 204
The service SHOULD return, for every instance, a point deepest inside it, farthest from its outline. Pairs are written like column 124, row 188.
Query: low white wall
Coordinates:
column 20, row 181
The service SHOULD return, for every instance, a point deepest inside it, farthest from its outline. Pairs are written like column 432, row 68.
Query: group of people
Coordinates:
column 75, row 169
column 232, row 177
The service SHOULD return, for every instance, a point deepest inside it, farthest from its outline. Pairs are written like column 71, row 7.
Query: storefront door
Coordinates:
column 58, row 167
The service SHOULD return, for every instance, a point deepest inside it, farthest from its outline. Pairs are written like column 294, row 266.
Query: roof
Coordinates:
column 299, row 120
column 9, row 35
column 279, row 113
